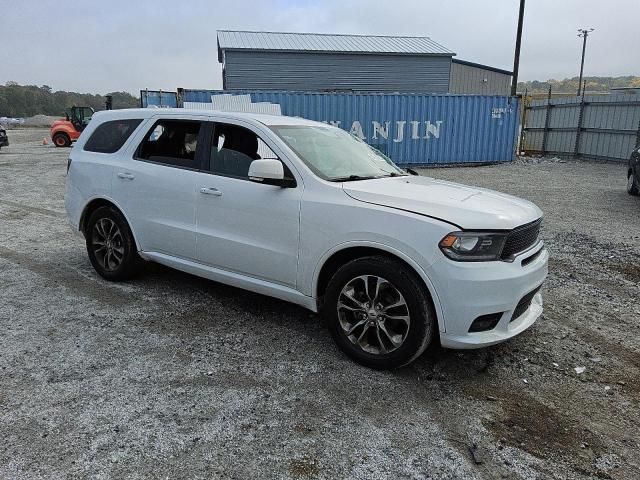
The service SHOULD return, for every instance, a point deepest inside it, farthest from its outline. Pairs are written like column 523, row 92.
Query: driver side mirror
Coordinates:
column 268, row 172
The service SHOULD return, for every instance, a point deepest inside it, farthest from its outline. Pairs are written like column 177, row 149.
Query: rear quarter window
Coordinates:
column 110, row 136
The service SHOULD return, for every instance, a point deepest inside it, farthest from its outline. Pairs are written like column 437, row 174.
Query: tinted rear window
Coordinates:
column 110, row 136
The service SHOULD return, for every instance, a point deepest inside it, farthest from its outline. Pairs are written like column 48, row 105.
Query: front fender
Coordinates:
column 407, row 258
column 64, row 127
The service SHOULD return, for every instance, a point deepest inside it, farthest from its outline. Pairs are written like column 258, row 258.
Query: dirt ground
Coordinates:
column 171, row 376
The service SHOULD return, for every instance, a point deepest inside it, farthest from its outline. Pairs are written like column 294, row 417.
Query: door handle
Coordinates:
column 126, row 176
column 211, row 191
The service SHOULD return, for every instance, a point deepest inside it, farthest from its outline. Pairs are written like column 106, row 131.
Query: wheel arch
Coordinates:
column 335, row 258
column 62, row 128
column 98, row 202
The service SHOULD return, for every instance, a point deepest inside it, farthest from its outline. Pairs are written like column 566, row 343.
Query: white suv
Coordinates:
column 307, row 213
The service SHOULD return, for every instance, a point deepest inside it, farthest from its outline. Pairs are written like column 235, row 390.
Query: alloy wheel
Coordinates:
column 107, row 244
column 373, row 314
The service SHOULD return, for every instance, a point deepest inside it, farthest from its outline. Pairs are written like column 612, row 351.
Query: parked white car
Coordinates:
column 307, row 213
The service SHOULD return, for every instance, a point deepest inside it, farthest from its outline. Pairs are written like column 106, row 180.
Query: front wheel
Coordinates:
column 61, row 140
column 110, row 245
column 379, row 312
column 632, row 185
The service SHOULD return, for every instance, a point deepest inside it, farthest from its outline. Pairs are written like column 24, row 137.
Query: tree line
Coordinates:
column 28, row 100
column 570, row 85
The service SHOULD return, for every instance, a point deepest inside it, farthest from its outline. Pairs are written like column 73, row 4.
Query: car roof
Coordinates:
column 214, row 114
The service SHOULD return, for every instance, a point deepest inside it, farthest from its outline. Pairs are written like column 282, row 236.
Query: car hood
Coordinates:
column 461, row 205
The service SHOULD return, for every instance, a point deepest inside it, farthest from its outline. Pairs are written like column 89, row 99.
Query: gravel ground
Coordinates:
column 171, row 376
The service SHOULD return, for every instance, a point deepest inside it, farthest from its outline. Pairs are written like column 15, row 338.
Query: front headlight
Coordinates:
column 473, row 246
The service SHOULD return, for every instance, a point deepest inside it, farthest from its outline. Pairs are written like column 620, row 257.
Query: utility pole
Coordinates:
column 516, row 57
column 584, row 33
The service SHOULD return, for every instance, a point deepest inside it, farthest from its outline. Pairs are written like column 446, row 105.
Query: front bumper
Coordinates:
column 485, row 288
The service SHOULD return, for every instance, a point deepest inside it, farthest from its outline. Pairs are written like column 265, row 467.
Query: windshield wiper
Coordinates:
column 351, row 178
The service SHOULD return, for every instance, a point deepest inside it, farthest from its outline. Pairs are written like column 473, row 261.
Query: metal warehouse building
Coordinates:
column 357, row 63
column 473, row 78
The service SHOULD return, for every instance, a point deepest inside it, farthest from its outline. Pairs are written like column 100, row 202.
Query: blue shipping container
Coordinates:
column 158, row 98
column 412, row 129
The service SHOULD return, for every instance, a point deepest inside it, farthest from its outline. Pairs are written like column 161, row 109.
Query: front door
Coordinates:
column 243, row 226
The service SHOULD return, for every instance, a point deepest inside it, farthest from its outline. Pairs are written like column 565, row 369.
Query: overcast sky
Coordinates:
column 103, row 46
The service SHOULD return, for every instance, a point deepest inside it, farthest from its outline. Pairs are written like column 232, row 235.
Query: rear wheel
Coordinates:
column 110, row 245
column 61, row 140
column 632, row 185
column 379, row 312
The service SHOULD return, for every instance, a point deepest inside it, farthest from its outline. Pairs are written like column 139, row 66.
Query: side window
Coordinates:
column 234, row 148
column 110, row 136
column 173, row 142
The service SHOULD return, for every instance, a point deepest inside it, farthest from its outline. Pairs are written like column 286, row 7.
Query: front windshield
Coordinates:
column 335, row 155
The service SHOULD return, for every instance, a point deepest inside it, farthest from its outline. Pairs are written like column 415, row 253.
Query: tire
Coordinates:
column 110, row 245
column 397, row 333
column 632, row 185
column 61, row 140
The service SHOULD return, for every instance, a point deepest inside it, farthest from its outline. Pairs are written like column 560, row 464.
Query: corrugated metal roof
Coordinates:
column 317, row 42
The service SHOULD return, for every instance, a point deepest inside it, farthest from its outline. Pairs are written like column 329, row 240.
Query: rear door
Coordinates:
column 243, row 226
column 158, row 185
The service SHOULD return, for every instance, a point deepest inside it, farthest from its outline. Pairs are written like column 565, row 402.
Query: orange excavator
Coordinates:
column 67, row 130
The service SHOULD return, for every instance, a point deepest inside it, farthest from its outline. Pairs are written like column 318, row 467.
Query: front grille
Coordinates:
column 521, row 238
column 523, row 304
